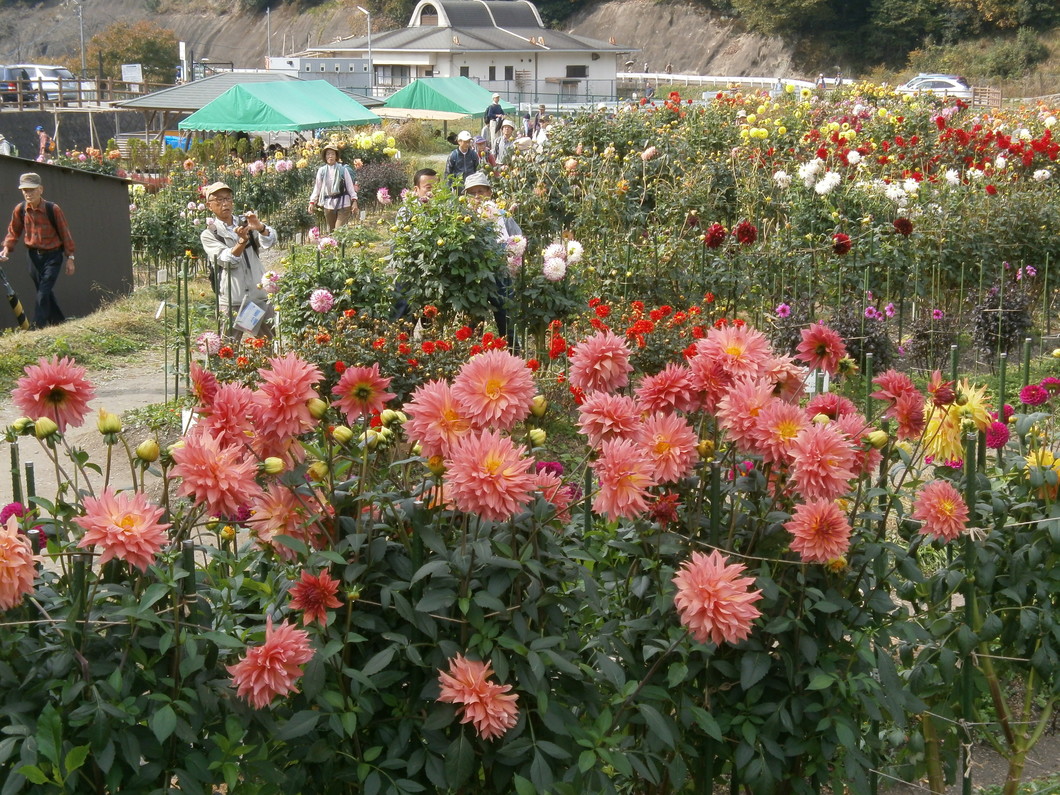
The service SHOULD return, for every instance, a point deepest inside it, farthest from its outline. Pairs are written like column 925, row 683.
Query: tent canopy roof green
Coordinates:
column 443, row 98
column 269, row 107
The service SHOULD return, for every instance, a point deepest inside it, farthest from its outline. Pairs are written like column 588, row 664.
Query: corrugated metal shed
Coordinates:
column 197, row 94
column 97, row 210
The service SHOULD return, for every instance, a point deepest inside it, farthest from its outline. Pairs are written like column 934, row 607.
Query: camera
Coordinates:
column 241, row 220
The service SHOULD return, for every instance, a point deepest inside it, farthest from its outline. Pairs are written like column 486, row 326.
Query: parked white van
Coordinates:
column 47, row 78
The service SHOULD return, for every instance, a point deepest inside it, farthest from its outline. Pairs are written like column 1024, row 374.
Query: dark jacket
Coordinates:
column 462, row 164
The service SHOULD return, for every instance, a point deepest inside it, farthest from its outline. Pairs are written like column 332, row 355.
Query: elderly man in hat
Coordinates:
column 505, row 145
column 233, row 243
column 494, row 113
column 334, row 191
column 462, row 161
column 43, row 227
column 478, row 189
column 538, row 120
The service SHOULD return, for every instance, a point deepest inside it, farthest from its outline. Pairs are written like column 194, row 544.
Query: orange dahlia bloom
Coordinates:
column 221, row 477
column 271, row 669
column 486, row 474
column 313, row 595
column 671, row 445
column 17, row 569
column 494, row 389
column 287, row 384
column 487, row 706
column 625, row 472
column 822, row 462
column 821, row 531
column 436, row 421
column 125, row 526
column 942, row 509
column 600, row 362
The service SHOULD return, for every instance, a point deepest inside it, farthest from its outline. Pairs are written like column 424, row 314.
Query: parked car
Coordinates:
column 47, row 79
column 920, row 78
column 10, row 78
column 942, row 86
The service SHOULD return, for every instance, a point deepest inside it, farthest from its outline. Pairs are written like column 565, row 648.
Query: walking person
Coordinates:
column 45, row 144
column 462, row 161
column 42, row 225
column 494, row 113
column 233, row 242
column 7, row 148
column 334, row 191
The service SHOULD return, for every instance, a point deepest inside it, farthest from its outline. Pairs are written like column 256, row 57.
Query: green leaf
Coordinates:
column 378, row 662
column 658, row 725
column 753, row 667
column 436, row 566
column 586, row 761
column 163, row 723
column 459, row 762
column 75, row 757
column 301, row 723
column 821, row 682
column 33, row 773
column 524, row 787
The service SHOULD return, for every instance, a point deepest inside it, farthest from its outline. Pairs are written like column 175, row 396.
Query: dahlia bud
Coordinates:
column 212, row 522
column 370, row 438
column 22, row 426
column 1056, row 353
column 539, row 405
column 108, row 423
column 228, row 533
column 147, row 451
column 848, row 366
column 537, row 437
column 836, row 565
column 44, row 428
column 272, row 465
column 705, row 448
column 436, row 464
column 821, row 419
column 878, row 438
column 388, row 416
column 341, row 434
column 417, row 449
column 385, row 435
column 317, row 407
column 317, row 471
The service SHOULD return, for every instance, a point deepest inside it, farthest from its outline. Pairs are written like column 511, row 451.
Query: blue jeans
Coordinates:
column 44, row 268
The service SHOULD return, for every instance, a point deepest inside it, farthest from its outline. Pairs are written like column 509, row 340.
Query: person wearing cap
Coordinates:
column 538, row 120
column 485, row 156
column 492, row 116
column 478, row 189
column 334, row 191
column 44, row 144
column 42, row 225
column 505, row 145
column 462, row 161
column 233, row 244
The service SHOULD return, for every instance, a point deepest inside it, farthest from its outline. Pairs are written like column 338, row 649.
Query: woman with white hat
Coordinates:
column 333, row 191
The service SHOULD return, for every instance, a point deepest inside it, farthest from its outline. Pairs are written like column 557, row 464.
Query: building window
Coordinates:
column 321, row 67
column 352, row 67
column 337, row 67
column 493, row 73
column 393, row 75
column 465, row 71
column 509, row 73
column 429, row 16
column 578, row 71
column 308, row 67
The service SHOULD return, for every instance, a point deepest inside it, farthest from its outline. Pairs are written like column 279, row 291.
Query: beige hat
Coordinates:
column 332, row 146
column 477, row 180
column 496, row 96
column 464, row 135
column 29, row 180
column 213, row 188
column 508, row 123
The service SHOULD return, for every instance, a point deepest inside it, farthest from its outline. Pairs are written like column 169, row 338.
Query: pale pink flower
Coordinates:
column 17, row 567
column 742, row 350
column 821, row 348
column 603, row 416
column 218, row 476
column 280, row 511
column 600, row 362
column 942, row 510
column 668, row 390
column 488, row 475
column 625, row 473
column 209, row 342
column 820, row 531
column 57, row 389
column 866, row 457
column 777, row 426
column 789, row 377
column 486, row 705
column 738, row 410
column 203, row 384
column 228, row 416
column 494, row 389
column 435, row 418
column 321, row 300
column 287, row 384
column 124, row 526
column 710, row 377
column 362, row 390
column 671, row 445
column 823, row 462
column 271, row 669
column 714, row 602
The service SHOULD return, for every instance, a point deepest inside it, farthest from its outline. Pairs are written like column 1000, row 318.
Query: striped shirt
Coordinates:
column 40, row 233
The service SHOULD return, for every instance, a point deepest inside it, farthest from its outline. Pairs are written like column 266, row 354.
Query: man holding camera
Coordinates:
column 233, row 242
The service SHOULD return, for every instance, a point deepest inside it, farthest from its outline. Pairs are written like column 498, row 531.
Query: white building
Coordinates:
column 501, row 44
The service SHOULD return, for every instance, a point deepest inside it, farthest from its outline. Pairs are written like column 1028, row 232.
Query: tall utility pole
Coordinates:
column 81, row 26
column 371, row 68
column 268, row 35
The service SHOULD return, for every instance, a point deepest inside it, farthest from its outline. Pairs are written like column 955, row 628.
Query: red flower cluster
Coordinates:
column 745, row 233
column 841, row 243
column 714, row 236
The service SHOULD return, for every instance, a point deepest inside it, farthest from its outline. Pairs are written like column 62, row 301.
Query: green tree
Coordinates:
column 145, row 43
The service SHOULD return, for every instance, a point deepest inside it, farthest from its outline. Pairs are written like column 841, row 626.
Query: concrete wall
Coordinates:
column 97, row 211
column 74, row 127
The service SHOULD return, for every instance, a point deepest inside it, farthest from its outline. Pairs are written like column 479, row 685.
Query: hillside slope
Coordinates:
column 686, row 36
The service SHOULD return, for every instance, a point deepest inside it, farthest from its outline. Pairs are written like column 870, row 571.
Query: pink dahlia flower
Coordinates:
column 436, row 420
column 625, row 472
column 494, row 389
column 124, row 526
column 488, row 475
column 714, row 602
column 742, row 350
column 280, row 511
column 486, row 705
column 777, row 426
column 820, row 532
column 997, row 435
column 314, row 595
column 822, row 462
column 54, row 388
column 600, row 362
column 671, row 445
column 287, row 384
column 362, row 390
column 1033, row 395
column 203, row 384
column 738, row 411
column 821, row 348
column 228, row 417
column 17, row 567
column 710, row 377
column 942, row 510
column 218, row 476
column 603, row 416
column 271, row 669
column 668, row 390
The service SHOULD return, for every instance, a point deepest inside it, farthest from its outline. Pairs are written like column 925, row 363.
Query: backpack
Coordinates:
column 50, row 146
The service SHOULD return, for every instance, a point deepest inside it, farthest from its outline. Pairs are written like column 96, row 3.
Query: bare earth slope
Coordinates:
column 689, row 37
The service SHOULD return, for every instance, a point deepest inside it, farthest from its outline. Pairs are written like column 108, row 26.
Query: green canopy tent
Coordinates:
column 441, row 99
column 270, row 107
